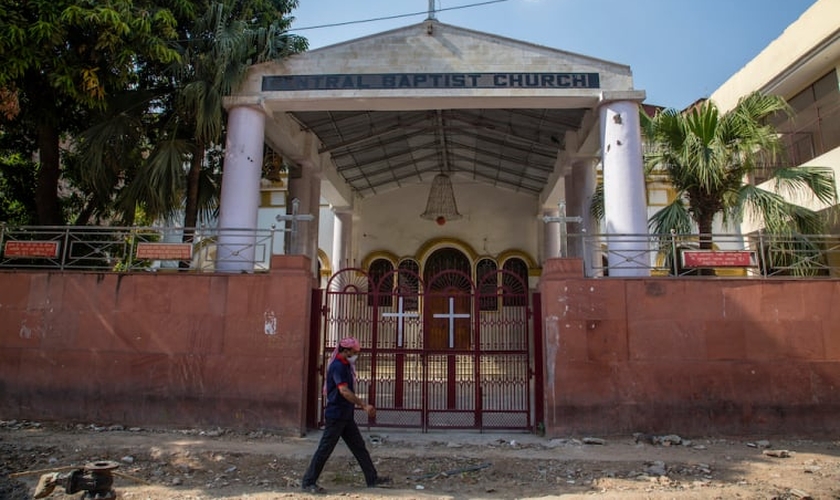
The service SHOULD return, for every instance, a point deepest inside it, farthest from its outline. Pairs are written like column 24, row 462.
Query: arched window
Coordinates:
column 445, row 259
column 516, row 290
column 408, row 283
column 485, row 275
column 383, row 286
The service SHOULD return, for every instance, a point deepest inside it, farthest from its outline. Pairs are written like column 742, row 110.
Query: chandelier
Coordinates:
column 441, row 206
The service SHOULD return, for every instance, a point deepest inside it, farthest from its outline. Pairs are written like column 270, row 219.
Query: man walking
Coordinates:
column 340, row 386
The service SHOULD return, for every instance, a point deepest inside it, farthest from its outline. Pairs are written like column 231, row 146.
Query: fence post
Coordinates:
column 674, row 256
column 584, row 253
column 129, row 259
column 65, row 248
column 762, row 257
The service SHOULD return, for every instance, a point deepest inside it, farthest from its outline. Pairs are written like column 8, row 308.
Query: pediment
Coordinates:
column 388, row 110
column 432, row 48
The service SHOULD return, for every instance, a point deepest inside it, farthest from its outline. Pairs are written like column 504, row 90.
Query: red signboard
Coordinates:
column 164, row 251
column 712, row 258
column 31, row 249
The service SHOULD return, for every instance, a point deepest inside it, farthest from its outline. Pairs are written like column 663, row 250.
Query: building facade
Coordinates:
column 363, row 128
column 802, row 66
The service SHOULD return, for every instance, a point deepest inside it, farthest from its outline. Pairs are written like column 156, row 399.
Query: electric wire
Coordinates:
column 398, row 16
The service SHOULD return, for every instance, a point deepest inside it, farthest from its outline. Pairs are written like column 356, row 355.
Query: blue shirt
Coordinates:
column 339, row 373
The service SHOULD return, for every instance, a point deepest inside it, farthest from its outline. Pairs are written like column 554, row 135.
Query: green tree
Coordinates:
column 223, row 43
column 62, row 58
column 708, row 157
column 17, row 183
column 185, row 112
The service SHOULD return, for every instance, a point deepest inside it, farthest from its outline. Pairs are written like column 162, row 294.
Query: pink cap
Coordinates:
column 350, row 343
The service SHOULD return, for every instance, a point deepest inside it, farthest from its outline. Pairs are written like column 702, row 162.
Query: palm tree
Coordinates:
column 217, row 53
column 708, row 157
column 178, row 121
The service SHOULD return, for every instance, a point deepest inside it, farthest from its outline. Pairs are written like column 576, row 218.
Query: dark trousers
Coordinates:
column 349, row 432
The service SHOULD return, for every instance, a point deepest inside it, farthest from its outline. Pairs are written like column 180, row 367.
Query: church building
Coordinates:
column 432, row 146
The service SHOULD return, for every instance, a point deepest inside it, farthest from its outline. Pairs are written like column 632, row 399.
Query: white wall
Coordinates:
column 830, row 159
column 494, row 220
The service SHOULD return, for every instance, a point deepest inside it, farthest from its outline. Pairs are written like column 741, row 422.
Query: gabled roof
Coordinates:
column 383, row 138
column 432, row 46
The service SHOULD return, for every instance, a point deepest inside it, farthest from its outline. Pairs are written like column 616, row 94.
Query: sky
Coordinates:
column 678, row 50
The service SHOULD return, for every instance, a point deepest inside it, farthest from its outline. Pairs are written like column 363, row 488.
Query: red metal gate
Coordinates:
column 447, row 352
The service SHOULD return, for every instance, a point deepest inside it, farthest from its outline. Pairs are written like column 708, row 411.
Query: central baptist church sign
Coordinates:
column 382, row 81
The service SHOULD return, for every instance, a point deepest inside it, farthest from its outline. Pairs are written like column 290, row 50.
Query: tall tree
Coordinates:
column 62, row 58
column 220, row 47
column 708, row 157
column 186, row 113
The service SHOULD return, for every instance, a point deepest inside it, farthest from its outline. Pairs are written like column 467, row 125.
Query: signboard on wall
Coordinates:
column 30, row 250
column 715, row 258
column 163, row 251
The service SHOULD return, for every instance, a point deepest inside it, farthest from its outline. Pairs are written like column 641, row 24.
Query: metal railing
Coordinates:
column 131, row 249
column 756, row 255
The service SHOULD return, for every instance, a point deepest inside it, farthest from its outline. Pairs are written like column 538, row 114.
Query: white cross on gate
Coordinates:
column 400, row 315
column 451, row 316
column 563, row 220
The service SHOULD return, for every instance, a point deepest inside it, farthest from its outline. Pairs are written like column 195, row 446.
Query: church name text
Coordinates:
column 380, row 81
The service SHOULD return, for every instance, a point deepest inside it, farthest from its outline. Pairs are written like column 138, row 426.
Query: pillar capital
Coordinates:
column 608, row 96
column 245, row 101
column 345, row 210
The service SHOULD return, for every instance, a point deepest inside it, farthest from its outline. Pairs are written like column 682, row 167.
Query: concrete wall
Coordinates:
column 157, row 348
column 690, row 356
column 693, row 356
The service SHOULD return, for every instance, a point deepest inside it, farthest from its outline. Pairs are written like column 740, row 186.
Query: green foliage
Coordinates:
column 82, row 50
column 707, row 157
column 17, row 185
column 138, row 86
column 63, row 59
column 219, row 47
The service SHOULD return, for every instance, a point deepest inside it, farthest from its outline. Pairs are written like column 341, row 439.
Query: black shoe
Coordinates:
column 382, row 482
column 314, row 489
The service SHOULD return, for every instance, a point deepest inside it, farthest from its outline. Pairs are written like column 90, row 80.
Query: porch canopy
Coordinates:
column 388, row 112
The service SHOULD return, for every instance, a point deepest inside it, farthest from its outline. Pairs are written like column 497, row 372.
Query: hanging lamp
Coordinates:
column 441, row 206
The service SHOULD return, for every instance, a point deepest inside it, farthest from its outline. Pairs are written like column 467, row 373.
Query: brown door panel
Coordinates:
column 438, row 321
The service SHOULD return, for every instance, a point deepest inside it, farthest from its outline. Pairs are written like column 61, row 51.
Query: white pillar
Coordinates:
column 342, row 237
column 624, row 189
column 551, row 234
column 240, row 197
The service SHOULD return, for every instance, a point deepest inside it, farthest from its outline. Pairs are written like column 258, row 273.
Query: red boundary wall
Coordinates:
column 157, row 348
column 692, row 356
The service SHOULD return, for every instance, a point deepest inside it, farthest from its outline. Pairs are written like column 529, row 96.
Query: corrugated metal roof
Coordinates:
column 377, row 151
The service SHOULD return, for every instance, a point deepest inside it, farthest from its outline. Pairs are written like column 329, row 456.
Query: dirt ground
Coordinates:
column 195, row 464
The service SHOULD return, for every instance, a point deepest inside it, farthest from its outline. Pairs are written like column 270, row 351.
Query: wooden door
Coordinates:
column 448, row 319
